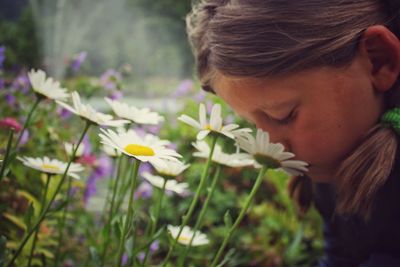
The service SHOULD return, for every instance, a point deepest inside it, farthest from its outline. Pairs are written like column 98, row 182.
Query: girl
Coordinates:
column 322, row 78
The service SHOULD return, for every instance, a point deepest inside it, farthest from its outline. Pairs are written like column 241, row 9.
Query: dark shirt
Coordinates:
column 352, row 242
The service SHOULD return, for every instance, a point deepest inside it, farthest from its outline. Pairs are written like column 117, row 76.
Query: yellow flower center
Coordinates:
column 49, row 167
column 208, row 127
column 184, row 239
column 138, row 150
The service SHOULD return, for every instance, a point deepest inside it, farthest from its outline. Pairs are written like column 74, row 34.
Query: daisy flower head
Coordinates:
column 46, row 87
column 88, row 113
column 171, row 185
column 52, row 166
column 171, row 168
column 213, row 125
column 132, row 145
column 200, row 239
column 271, row 155
column 235, row 160
column 137, row 115
column 69, row 149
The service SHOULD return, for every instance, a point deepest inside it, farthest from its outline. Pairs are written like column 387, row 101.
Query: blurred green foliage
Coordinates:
column 19, row 38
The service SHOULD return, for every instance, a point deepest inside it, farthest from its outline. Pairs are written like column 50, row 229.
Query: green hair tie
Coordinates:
column 391, row 119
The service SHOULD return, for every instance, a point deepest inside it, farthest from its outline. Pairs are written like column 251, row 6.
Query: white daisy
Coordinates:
column 200, row 239
column 141, row 116
column 171, row 185
column 270, row 154
column 171, row 169
column 235, row 160
column 147, row 149
column 48, row 88
column 89, row 113
column 52, row 166
column 69, row 149
column 213, row 125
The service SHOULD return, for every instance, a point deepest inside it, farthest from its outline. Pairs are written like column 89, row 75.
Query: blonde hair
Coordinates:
column 260, row 38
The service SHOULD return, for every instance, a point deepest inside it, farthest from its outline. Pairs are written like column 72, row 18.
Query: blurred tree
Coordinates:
column 173, row 11
column 19, row 38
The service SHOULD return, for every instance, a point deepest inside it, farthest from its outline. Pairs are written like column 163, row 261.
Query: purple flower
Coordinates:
column 184, row 88
column 63, row 113
column 144, row 191
column 116, row 95
column 200, row 96
column 154, row 246
column 2, row 55
column 24, row 137
column 10, row 99
column 103, row 168
column 87, row 147
column 110, row 79
column 21, row 83
column 78, row 60
column 144, row 167
column 141, row 256
column 153, row 129
column 124, row 259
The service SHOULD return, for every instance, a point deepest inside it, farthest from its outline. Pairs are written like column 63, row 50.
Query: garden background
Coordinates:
column 135, row 51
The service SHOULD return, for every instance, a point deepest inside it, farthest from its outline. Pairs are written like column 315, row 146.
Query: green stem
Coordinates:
column 110, row 212
column 194, row 200
column 48, row 206
column 43, row 202
column 201, row 215
column 124, row 187
column 26, row 123
column 128, row 220
column 253, row 192
column 157, row 215
column 62, row 223
column 8, row 149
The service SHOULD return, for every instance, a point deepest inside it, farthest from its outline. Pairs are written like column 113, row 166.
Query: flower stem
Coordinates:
column 156, row 215
column 201, row 215
column 128, row 220
column 253, row 192
column 194, row 200
column 48, row 206
column 43, row 202
column 26, row 123
column 62, row 223
column 9, row 143
column 110, row 212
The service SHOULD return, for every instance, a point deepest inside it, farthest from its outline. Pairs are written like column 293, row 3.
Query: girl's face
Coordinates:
column 320, row 114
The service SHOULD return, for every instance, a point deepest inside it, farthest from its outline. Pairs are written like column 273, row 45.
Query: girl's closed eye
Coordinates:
column 284, row 120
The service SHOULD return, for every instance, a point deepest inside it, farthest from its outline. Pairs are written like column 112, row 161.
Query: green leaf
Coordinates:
column 32, row 199
column 3, row 242
column 17, row 221
column 227, row 257
column 28, row 217
column 228, row 219
column 118, row 229
column 94, row 255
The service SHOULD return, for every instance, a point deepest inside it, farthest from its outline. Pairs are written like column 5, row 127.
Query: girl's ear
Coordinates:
column 382, row 49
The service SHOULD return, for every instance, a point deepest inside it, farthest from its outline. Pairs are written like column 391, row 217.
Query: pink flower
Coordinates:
column 10, row 123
